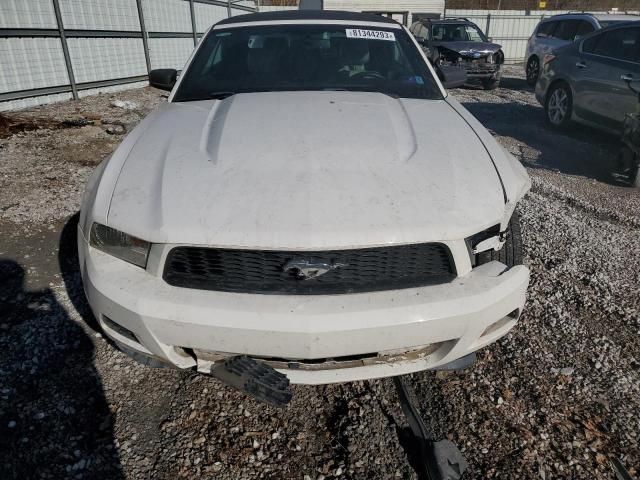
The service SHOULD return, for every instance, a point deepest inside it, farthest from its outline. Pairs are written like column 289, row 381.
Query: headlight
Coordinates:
column 119, row 244
column 489, row 239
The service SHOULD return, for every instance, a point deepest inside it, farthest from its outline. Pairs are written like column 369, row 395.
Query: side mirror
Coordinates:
column 163, row 78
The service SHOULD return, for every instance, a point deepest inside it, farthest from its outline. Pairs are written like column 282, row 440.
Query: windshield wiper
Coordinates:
column 363, row 89
column 202, row 97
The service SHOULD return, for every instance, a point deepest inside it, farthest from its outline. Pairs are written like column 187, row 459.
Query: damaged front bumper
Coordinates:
column 313, row 339
column 476, row 68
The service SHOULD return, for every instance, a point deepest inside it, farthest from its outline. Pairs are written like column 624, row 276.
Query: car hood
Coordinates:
column 471, row 49
column 306, row 170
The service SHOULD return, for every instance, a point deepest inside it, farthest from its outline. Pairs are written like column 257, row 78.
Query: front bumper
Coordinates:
column 313, row 339
column 476, row 70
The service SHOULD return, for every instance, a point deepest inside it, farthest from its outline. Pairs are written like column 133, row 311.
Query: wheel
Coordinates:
column 490, row 83
column 511, row 252
column 559, row 105
column 533, row 70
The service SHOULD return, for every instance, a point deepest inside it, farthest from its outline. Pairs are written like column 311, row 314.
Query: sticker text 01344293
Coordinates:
column 370, row 34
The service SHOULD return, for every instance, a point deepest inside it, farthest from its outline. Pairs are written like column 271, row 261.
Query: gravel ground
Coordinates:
column 557, row 398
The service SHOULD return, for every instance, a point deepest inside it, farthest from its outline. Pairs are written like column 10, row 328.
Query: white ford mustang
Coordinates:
column 312, row 198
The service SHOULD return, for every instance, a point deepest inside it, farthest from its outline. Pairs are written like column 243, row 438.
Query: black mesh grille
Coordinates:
column 276, row 272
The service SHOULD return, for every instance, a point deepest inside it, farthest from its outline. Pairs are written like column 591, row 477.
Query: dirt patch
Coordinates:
column 46, row 161
column 12, row 124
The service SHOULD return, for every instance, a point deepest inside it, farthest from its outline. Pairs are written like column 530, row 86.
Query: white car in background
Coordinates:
column 309, row 197
column 560, row 30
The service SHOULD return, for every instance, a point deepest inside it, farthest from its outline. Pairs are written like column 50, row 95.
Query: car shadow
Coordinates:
column 579, row 150
column 70, row 270
column 515, row 83
column 55, row 421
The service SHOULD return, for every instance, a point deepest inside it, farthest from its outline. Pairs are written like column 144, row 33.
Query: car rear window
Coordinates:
column 567, row 30
column 584, row 28
column 546, row 29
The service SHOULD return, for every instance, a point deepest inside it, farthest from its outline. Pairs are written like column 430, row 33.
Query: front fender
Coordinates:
column 513, row 176
column 89, row 195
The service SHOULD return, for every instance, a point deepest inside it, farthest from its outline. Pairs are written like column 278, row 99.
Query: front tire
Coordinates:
column 559, row 105
column 511, row 252
column 532, row 70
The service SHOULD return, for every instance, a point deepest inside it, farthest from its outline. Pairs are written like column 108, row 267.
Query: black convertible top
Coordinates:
column 308, row 15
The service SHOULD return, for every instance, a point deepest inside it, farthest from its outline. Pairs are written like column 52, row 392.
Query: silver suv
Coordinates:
column 561, row 30
column 586, row 80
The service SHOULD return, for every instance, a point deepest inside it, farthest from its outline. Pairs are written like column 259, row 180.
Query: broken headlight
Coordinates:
column 119, row 244
column 489, row 239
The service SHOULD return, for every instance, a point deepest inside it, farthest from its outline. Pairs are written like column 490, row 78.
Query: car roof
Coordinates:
column 605, row 17
column 320, row 15
column 611, row 17
column 568, row 16
column 446, row 20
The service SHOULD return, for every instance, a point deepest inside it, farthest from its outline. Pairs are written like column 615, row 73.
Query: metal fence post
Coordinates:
column 229, row 8
column 145, row 37
column 488, row 24
column 65, row 50
column 193, row 22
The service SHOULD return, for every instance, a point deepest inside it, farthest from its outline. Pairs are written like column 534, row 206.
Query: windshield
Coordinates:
column 457, row 33
column 307, row 57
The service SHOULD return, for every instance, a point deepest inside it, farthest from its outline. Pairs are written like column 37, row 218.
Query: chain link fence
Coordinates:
column 277, row 5
column 53, row 50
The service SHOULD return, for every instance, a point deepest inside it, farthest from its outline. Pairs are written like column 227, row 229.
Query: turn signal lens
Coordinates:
column 119, row 244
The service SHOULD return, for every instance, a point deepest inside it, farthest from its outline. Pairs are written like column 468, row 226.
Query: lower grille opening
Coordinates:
column 119, row 329
column 503, row 322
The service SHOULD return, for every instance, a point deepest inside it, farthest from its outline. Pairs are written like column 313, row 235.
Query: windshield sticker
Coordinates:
column 370, row 34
